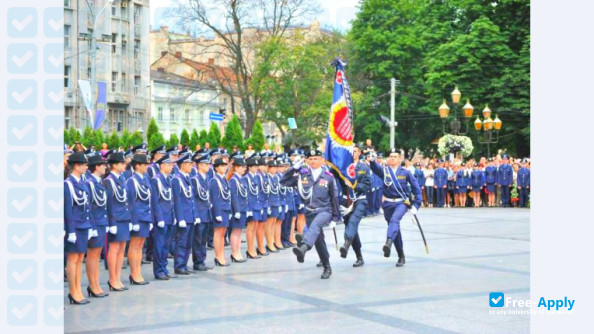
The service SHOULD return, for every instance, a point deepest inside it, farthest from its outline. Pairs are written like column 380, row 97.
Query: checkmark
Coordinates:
column 56, row 133
column 20, row 97
column 20, row 170
column 56, row 61
column 55, row 169
column 56, row 96
column 56, row 313
column 56, row 205
column 56, row 24
column 21, row 241
column 20, row 206
column 22, row 132
column 20, row 25
column 56, row 277
column 55, row 241
column 496, row 300
column 22, row 276
column 20, row 61
column 21, row 313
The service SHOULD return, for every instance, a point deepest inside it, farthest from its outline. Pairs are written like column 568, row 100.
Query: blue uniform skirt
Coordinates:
column 274, row 212
column 143, row 232
column 99, row 240
column 281, row 212
column 264, row 214
column 490, row 188
column 476, row 188
column 82, row 239
column 238, row 223
column 123, row 233
column 225, row 220
column 256, row 216
column 462, row 190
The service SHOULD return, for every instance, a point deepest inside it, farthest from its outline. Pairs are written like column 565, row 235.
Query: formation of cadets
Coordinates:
column 176, row 203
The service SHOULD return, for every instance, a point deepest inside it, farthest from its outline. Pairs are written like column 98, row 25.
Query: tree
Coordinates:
column 125, row 139
column 243, row 80
column 173, row 140
column 194, row 139
column 88, row 137
column 152, row 128
column 99, row 139
column 203, row 138
column 113, row 141
column 74, row 135
column 233, row 135
column 185, row 138
column 136, row 138
column 214, row 135
column 257, row 138
column 67, row 139
column 156, row 140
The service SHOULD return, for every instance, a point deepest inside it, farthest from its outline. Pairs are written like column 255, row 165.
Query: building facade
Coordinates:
column 122, row 61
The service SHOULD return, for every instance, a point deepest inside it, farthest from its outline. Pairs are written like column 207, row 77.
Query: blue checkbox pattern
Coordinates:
column 21, row 130
column 21, row 166
column 53, row 240
column 22, row 94
column 21, row 274
column 53, row 131
column 22, row 202
column 21, row 310
column 22, row 58
column 53, row 94
column 53, row 310
column 53, row 22
column 21, row 22
column 53, row 202
column 21, row 238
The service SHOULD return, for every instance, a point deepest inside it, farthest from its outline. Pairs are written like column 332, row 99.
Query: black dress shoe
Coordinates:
column 320, row 264
column 251, row 257
column 96, row 295
column 133, row 282
column 77, row 302
column 327, row 272
column 171, row 275
column 146, row 262
column 387, row 247
column 299, row 238
column 280, row 248
column 217, row 263
column 344, row 249
column 271, row 251
column 400, row 262
column 162, row 278
column 200, row 267
column 359, row 262
column 300, row 252
column 210, row 246
column 182, row 272
column 112, row 288
column 260, row 253
column 238, row 261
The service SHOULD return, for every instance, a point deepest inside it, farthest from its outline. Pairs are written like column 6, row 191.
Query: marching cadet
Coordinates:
column 274, row 203
column 462, row 185
column 156, row 154
column 283, row 208
column 440, row 183
column 377, row 197
column 371, row 191
column 357, row 192
column 490, row 180
column 505, row 179
column 420, row 176
column 98, row 200
column 263, row 195
column 298, row 221
column 162, row 207
column 317, row 190
column 200, row 182
column 220, row 196
column 239, row 206
column 185, row 214
column 254, row 211
column 523, row 183
column 139, row 201
column 291, row 208
column 477, row 182
column 397, row 200
column 77, row 224
column 118, row 218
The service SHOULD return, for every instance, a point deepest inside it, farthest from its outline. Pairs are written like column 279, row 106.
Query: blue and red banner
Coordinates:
column 101, row 103
column 339, row 140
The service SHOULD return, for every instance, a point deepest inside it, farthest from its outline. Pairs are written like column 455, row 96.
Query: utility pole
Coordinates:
column 392, row 112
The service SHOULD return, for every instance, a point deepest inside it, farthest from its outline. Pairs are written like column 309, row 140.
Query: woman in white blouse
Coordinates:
column 429, row 173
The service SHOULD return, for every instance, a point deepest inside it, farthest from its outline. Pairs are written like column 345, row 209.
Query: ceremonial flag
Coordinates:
column 339, row 140
column 101, row 102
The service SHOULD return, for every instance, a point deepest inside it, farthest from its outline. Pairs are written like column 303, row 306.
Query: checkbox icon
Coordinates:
column 22, row 94
column 496, row 299
column 53, row 314
column 53, row 126
column 22, row 202
column 53, row 238
column 21, row 274
column 53, row 58
column 53, row 277
column 21, row 130
column 53, row 22
column 21, row 166
column 54, row 202
column 22, row 238
column 22, row 22
column 21, row 310
column 22, row 58
column 53, row 94
column 53, row 166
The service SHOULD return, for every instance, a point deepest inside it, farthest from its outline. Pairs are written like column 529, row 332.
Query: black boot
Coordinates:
column 359, row 262
column 300, row 252
column 299, row 238
column 387, row 247
column 401, row 260
column 320, row 264
column 345, row 248
column 327, row 272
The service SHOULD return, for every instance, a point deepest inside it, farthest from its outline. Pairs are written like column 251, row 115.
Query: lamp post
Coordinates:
column 455, row 124
column 488, row 126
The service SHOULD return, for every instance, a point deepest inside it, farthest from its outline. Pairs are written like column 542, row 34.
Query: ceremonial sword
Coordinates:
column 422, row 234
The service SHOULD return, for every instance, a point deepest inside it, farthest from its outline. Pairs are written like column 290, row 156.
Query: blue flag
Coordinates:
column 101, row 103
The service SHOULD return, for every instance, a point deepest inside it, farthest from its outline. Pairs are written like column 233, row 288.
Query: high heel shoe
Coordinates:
column 280, row 248
column 112, row 288
column 77, row 302
column 133, row 282
column 217, row 263
column 252, row 257
column 271, row 251
column 233, row 259
column 260, row 253
column 96, row 295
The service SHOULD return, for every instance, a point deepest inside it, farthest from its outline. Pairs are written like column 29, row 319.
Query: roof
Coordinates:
column 174, row 79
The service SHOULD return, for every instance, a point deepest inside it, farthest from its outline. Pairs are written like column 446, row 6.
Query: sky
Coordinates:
column 335, row 14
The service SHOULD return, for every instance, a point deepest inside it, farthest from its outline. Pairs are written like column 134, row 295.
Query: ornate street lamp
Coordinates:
column 491, row 128
column 455, row 124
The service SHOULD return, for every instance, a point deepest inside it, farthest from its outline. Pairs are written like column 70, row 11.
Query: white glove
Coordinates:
column 72, row 237
column 297, row 163
column 332, row 224
column 90, row 234
column 136, row 228
column 113, row 230
column 130, row 226
column 237, row 215
column 197, row 221
column 286, row 208
column 151, row 227
column 161, row 224
column 413, row 210
column 269, row 211
column 64, row 234
column 106, row 229
column 249, row 214
column 219, row 218
column 182, row 223
column 301, row 206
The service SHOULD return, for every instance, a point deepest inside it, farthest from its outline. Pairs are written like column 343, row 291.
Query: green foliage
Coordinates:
column 136, row 138
column 67, row 137
column 113, row 141
column 88, row 137
column 125, row 139
column 194, row 140
column 152, row 128
column 203, row 137
column 173, row 140
column 99, row 139
column 257, row 138
column 156, row 140
column 233, row 135
column 185, row 138
column 74, row 135
column 214, row 135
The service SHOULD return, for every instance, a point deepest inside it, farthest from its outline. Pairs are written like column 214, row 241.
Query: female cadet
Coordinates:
column 77, row 224
column 254, row 213
column 239, row 207
column 264, row 197
column 162, row 207
column 97, row 166
column 282, row 208
column 477, row 181
column 462, row 185
column 118, row 218
column 274, row 202
column 139, row 199
column 220, row 197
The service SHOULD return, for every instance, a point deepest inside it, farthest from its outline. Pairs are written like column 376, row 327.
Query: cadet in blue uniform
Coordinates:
column 200, row 182
column 290, row 208
column 523, row 183
column 490, row 180
column 156, row 155
column 274, row 204
column 118, row 218
column 377, row 197
column 505, row 179
column 220, row 197
column 98, row 200
column 283, row 207
column 254, row 210
column 239, row 206
column 462, row 185
column 185, row 214
column 440, row 183
column 264, row 192
column 128, row 171
column 299, row 217
column 162, row 205
column 477, row 182
column 138, row 188
column 317, row 189
column 357, row 193
column 371, row 191
column 77, row 224
column 397, row 199
column 420, row 176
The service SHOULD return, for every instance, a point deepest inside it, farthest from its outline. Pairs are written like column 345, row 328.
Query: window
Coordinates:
column 160, row 114
column 66, row 3
column 66, row 36
column 113, row 9
column 114, row 79
column 114, row 38
column 187, row 115
column 67, row 117
column 124, row 79
column 67, row 76
column 171, row 115
column 88, row 73
column 137, row 10
column 136, row 84
column 136, row 48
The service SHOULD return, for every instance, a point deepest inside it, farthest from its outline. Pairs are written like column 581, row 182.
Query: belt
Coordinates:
column 394, row 200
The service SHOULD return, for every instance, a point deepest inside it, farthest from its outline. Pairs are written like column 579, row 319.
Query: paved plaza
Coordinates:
column 472, row 252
